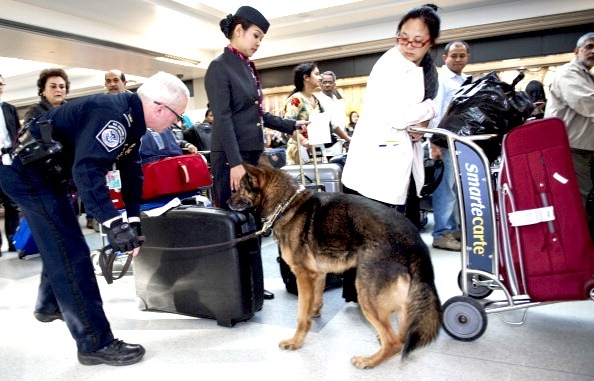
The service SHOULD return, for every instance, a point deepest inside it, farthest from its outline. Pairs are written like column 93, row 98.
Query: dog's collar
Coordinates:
column 279, row 211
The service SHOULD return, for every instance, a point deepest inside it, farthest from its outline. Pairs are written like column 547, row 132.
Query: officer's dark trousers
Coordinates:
column 68, row 283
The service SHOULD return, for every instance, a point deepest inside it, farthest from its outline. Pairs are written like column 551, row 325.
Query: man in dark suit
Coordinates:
column 9, row 126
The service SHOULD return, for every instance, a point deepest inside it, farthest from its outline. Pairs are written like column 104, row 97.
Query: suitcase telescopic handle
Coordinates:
column 183, row 174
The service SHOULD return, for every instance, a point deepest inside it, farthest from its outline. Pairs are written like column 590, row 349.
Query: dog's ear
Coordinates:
column 252, row 174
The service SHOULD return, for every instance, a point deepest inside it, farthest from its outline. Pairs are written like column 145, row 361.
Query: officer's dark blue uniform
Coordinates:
column 96, row 132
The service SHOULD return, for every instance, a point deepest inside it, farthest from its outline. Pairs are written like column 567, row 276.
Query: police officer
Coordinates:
column 99, row 137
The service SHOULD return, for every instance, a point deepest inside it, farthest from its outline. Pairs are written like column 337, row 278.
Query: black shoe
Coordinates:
column 46, row 318
column 12, row 248
column 117, row 353
column 268, row 295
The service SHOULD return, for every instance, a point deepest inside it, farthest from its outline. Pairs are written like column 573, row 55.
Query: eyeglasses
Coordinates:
column 414, row 43
column 327, row 83
column 179, row 117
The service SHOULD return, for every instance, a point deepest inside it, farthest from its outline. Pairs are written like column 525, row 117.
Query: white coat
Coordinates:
column 381, row 154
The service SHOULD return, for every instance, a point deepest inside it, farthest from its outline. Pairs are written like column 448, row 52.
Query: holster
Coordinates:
column 31, row 150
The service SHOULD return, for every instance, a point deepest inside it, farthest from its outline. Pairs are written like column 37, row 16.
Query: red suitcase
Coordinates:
column 547, row 251
column 171, row 176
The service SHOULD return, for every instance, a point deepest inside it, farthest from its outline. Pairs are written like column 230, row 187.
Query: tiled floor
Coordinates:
column 556, row 342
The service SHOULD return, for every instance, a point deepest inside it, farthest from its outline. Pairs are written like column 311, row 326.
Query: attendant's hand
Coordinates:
column 237, row 173
column 301, row 125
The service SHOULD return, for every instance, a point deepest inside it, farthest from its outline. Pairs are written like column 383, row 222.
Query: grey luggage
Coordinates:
column 329, row 175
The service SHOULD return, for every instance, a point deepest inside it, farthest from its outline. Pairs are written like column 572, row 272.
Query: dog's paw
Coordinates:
column 361, row 362
column 290, row 344
column 317, row 312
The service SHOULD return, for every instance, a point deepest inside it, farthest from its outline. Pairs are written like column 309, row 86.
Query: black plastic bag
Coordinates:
column 487, row 106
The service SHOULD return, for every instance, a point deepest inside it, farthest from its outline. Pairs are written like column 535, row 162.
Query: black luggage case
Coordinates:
column 223, row 282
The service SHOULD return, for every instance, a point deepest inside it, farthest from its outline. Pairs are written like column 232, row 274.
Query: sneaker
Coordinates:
column 447, row 242
column 46, row 318
column 117, row 353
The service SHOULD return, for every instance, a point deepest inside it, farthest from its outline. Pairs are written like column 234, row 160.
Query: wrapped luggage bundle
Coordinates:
column 487, row 106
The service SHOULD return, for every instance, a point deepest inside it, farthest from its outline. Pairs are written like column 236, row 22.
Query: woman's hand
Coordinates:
column 416, row 136
column 237, row 173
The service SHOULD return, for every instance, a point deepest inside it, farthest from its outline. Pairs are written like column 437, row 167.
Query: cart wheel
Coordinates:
column 589, row 288
column 474, row 290
column 464, row 318
column 95, row 259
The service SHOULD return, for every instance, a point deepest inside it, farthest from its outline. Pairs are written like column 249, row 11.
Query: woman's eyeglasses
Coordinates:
column 414, row 43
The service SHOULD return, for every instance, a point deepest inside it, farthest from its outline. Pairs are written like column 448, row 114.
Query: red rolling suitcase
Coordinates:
column 171, row 176
column 190, row 264
column 547, row 251
column 176, row 174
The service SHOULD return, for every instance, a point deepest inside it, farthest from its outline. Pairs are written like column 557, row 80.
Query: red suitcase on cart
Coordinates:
column 547, row 251
column 171, row 176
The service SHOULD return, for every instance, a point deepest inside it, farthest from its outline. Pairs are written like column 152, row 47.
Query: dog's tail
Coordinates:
column 424, row 316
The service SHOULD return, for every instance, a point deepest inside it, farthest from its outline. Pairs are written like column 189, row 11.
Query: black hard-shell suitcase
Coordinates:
column 175, row 272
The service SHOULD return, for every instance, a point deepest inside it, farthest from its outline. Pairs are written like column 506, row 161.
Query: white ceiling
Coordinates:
column 88, row 37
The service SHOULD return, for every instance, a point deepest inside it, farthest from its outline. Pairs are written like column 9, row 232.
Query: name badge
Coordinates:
column 113, row 180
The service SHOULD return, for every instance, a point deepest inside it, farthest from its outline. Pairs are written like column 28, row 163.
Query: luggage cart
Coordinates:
column 486, row 258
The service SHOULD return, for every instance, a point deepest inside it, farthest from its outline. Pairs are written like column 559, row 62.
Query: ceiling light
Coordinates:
column 178, row 60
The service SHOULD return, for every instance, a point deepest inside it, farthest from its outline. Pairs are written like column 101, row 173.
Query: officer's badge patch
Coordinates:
column 112, row 135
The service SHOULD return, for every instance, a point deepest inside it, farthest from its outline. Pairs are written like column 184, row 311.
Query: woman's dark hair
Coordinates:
column 298, row 73
column 47, row 73
column 229, row 23
column 351, row 116
column 426, row 13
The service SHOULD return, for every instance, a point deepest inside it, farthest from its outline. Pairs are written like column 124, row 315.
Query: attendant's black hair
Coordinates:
column 229, row 23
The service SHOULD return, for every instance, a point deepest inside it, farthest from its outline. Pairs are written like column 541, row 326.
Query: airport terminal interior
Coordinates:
column 550, row 341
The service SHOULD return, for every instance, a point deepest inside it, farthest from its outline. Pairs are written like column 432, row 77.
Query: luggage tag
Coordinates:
column 113, row 179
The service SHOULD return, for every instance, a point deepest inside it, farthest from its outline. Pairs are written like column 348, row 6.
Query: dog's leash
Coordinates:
column 107, row 257
column 268, row 224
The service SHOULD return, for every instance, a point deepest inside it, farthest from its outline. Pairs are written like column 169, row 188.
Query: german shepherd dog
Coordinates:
column 320, row 233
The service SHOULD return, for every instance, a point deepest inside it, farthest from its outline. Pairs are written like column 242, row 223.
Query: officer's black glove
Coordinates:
column 138, row 229
column 122, row 236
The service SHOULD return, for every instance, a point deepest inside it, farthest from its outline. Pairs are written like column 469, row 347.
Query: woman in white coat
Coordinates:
column 382, row 154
